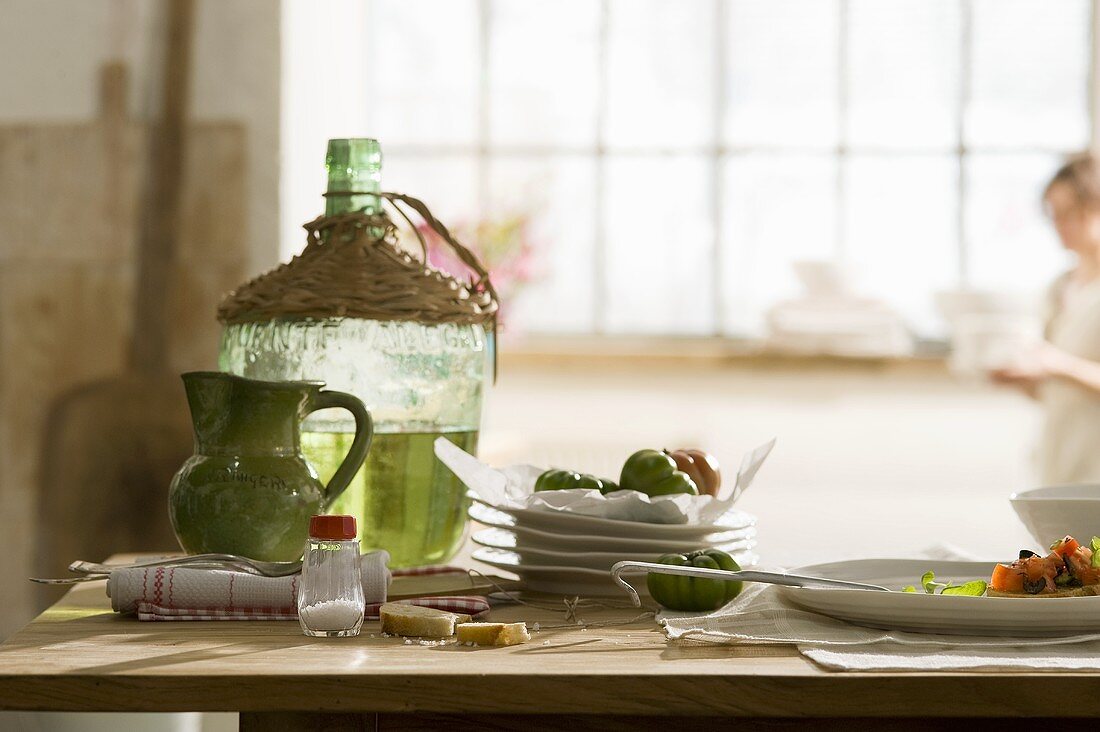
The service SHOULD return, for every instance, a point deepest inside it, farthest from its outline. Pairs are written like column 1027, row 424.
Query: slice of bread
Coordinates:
column 418, row 622
column 492, row 634
column 1086, row 591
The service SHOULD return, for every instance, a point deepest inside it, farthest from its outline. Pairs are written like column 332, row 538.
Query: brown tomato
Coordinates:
column 701, row 466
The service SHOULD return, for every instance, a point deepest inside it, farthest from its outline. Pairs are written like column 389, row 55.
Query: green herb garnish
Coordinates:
column 928, row 581
column 975, row 588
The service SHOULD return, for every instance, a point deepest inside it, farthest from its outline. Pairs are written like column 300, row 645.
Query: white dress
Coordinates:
column 1069, row 447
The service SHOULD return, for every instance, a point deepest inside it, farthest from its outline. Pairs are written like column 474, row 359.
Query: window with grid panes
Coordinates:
column 679, row 155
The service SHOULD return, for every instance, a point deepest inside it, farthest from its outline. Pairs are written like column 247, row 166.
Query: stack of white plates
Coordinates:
column 559, row 552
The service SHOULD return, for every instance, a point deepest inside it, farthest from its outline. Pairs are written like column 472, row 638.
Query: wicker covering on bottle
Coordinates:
column 353, row 267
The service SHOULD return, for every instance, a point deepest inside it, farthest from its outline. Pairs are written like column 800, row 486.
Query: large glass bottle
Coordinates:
column 419, row 380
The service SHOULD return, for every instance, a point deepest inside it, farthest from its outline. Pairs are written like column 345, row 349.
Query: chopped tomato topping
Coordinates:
column 1007, row 579
column 1069, row 562
column 1034, row 567
column 1080, row 566
column 1037, row 574
column 1066, row 546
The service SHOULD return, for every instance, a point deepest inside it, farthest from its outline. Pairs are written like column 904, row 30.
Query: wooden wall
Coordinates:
column 69, row 198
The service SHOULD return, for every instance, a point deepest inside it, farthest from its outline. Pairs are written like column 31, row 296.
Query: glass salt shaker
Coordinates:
column 330, row 599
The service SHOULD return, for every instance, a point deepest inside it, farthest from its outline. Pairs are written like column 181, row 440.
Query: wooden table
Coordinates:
column 79, row 656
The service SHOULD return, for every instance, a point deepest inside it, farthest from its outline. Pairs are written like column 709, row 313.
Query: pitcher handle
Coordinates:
column 357, row 453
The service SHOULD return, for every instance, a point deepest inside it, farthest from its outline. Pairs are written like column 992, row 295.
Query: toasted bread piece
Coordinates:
column 1086, row 591
column 492, row 634
column 419, row 622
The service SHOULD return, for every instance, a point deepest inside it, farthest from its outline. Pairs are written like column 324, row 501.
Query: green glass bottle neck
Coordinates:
column 354, row 165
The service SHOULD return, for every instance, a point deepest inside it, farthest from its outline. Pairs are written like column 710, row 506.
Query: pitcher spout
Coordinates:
column 231, row 414
column 209, row 394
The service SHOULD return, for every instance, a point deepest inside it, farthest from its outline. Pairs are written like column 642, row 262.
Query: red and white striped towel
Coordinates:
column 179, row 593
column 469, row 605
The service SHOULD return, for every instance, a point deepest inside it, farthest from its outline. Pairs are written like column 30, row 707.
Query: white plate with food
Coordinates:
column 575, row 523
column 563, row 579
column 557, row 541
column 536, row 556
column 1057, row 610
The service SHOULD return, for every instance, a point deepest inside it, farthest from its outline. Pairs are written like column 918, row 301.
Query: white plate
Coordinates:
column 536, row 556
column 954, row 615
column 567, row 580
column 592, row 542
column 574, row 523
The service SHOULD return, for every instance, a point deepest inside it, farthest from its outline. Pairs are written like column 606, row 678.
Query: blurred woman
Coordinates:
column 1063, row 373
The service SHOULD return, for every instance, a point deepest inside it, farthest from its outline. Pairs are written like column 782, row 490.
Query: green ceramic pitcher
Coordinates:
column 247, row 489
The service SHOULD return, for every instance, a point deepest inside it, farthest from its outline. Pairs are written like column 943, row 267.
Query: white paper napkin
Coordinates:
column 761, row 615
column 513, row 487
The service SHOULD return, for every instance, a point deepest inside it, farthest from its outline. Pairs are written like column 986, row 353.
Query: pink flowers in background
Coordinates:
column 504, row 246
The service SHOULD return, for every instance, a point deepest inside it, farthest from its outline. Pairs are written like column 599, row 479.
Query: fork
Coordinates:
column 93, row 571
column 745, row 575
column 234, row 561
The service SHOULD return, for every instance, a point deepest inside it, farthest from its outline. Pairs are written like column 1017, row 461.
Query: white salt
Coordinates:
column 331, row 615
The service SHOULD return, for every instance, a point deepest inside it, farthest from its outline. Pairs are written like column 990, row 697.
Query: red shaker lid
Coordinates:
column 335, row 528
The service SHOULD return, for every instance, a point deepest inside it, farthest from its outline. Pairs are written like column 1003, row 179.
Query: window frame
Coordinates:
column 716, row 153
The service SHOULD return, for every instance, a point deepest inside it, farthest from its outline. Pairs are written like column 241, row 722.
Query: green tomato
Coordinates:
column 556, row 480
column 562, row 480
column 654, row 473
column 694, row 594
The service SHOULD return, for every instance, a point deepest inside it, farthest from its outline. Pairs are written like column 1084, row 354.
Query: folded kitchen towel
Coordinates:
column 181, row 593
column 468, row 605
column 232, row 593
column 1081, row 656
column 761, row 616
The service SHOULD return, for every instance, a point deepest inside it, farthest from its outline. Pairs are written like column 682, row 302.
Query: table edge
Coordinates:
column 833, row 695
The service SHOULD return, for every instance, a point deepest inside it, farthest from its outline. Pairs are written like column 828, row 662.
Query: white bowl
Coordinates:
column 1054, row 511
column 822, row 278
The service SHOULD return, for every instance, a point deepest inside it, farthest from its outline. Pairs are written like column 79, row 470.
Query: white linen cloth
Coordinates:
column 761, row 615
column 180, row 588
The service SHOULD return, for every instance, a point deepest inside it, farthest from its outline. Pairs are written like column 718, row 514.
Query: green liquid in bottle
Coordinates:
column 404, row 500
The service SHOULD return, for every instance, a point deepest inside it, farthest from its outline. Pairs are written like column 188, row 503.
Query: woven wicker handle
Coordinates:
column 468, row 258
